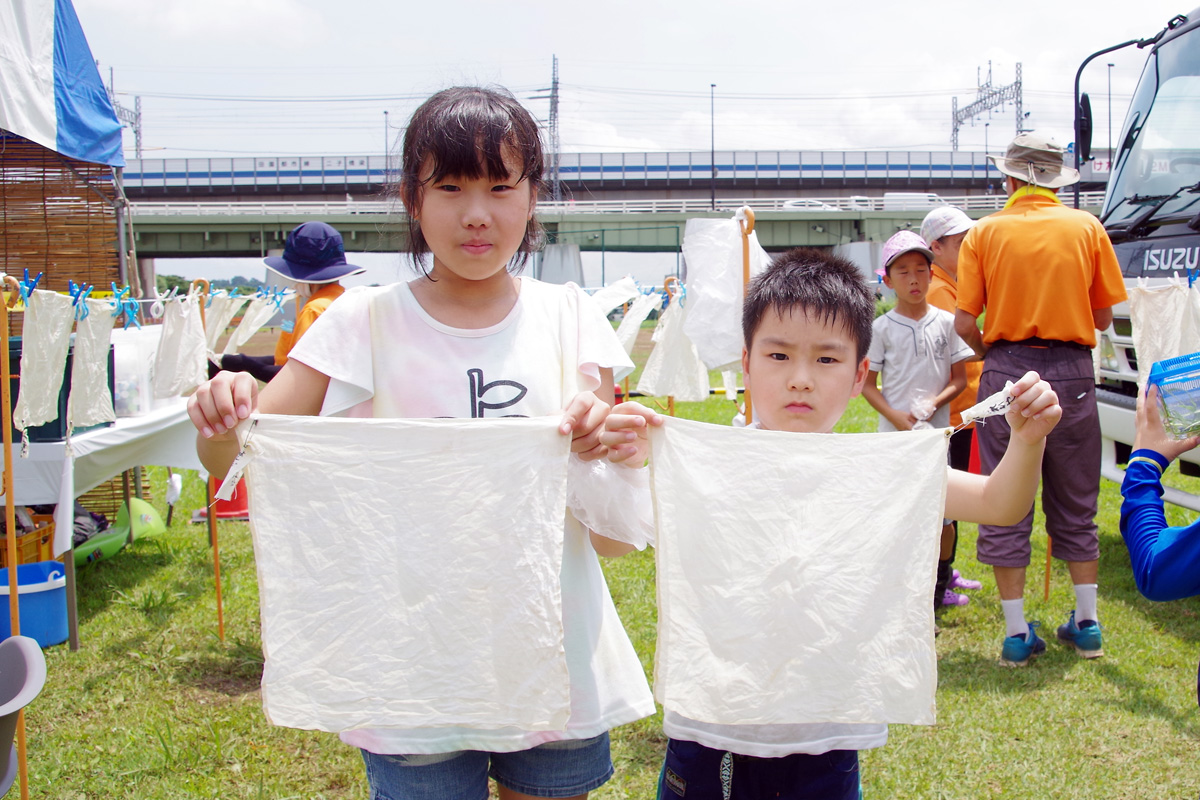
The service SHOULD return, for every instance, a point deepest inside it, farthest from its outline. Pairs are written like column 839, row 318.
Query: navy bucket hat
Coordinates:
column 313, row 253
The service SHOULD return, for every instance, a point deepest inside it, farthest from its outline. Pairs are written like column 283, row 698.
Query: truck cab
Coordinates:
column 1152, row 214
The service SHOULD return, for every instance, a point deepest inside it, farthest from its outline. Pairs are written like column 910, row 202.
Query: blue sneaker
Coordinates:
column 1018, row 650
column 1085, row 637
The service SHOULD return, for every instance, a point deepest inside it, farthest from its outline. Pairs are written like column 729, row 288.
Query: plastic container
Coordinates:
column 42, row 598
column 1178, row 382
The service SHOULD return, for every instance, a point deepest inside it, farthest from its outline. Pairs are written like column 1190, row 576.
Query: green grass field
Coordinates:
column 154, row 705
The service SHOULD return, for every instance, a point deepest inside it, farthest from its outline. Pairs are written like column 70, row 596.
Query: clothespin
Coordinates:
column 26, row 286
column 159, row 306
column 124, row 304
column 1191, row 276
column 278, row 297
column 79, row 293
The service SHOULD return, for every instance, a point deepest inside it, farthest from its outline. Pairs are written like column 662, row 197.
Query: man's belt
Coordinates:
column 1035, row 341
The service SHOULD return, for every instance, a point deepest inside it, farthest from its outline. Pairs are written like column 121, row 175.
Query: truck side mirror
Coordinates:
column 1083, row 128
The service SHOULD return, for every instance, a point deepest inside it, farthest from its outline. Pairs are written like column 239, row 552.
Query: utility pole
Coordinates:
column 988, row 97
column 712, row 141
column 555, row 140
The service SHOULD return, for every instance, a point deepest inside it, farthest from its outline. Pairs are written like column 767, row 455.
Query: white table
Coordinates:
column 164, row 437
column 55, row 472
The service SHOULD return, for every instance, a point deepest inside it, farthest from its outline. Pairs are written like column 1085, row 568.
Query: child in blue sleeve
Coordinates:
column 1166, row 561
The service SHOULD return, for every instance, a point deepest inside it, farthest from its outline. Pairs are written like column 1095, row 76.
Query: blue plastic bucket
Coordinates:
column 42, row 598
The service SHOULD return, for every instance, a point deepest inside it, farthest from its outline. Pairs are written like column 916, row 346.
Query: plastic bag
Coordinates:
column 91, row 402
column 44, row 344
column 713, row 251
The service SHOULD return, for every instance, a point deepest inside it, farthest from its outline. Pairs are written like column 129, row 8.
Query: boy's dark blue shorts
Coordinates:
column 694, row 772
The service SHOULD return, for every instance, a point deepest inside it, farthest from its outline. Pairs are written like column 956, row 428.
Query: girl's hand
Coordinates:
column 1035, row 409
column 626, row 433
column 220, row 404
column 1151, row 435
column 583, row 419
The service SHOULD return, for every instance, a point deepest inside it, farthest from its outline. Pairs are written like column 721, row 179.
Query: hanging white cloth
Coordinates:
column 795, row 573
column 674, row 366
column 1166, row 323
column 45, row 341
column 180, row 363
column 409, row 571
column 221, row 310
column 91, row 400
column 712, row 249
column 631, row 323
column 615, row 294
column 257, row 313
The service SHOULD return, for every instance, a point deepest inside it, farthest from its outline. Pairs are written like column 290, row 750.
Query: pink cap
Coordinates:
column 904, row 242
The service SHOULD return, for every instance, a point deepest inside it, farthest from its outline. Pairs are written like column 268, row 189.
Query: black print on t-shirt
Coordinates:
column 479, row 389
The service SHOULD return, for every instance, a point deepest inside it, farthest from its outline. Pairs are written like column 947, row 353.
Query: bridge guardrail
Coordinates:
column 317, row 208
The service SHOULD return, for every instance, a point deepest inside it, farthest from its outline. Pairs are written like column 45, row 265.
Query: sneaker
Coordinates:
column 1085, row 637
column 957, row 581
column 1017, row 650
column 953, row 598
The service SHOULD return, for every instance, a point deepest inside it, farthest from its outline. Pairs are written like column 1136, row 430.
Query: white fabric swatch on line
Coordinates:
column 257, row 313
column 91, row 402
column 45, row 340
column 222, row 308
column 1166, row 323
column 181, row 363
column 796, row 573
column 674, row 367
column 631, row 323
column 409, row 571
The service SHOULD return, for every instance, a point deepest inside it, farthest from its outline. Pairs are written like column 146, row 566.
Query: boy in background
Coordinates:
column 944, row 229
column 923, row 365
column 807, row 327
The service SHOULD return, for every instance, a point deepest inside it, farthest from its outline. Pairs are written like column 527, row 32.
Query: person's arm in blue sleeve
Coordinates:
column 1166, row 560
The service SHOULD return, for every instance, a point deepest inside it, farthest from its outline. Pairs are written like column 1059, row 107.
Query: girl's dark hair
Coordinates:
column 822, row 285
column 464, row 131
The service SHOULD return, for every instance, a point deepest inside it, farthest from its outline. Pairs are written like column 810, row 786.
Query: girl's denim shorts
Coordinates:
column 556, row 769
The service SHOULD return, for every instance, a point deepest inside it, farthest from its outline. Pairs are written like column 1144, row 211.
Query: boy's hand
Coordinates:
column 1035, row 409
column 220, row 404
column 1151, row 435
column 626, row 433
column 583, row 419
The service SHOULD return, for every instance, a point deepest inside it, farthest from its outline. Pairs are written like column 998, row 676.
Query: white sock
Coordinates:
column 1085, row 602
column 1014, row 616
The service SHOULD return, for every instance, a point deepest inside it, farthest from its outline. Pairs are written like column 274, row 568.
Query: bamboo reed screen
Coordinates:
column 56, row 217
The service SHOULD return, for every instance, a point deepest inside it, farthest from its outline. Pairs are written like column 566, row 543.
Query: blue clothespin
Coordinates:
column 1192, row 276
column 79, row 293
column 28, row 285
column 278, row 296
column 124, row 304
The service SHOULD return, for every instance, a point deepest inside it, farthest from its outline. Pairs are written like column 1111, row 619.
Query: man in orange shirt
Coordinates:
column 314, row 260
column 1048, row 277
column 944, row 229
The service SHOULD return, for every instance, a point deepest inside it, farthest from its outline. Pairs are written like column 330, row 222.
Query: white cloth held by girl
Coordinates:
column 428, row 594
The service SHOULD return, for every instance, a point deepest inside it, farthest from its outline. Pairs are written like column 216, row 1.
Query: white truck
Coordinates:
column 1152, row 214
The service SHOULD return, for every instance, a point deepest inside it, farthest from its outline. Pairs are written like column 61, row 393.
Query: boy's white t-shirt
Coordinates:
column 913, row 357
column 548, row 348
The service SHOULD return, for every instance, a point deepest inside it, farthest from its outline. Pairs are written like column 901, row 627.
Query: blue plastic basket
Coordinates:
column 1178, row 382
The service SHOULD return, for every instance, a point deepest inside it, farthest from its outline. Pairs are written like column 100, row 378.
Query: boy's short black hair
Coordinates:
column 822, row 285
column 464, row 131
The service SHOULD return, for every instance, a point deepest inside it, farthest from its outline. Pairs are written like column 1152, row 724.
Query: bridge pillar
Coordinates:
column 147, row 276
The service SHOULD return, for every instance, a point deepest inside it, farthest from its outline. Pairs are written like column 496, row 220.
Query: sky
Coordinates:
column 309, row 77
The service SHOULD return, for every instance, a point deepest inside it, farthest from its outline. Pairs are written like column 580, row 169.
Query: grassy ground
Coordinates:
column 154, row 705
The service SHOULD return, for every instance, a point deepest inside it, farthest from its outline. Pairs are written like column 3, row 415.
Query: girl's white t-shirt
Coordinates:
column 386, row 357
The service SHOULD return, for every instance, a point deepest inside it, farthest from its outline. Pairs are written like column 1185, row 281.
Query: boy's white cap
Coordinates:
column 944, row 221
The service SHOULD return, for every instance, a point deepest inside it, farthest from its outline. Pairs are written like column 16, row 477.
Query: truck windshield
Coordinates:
column 1159, row 154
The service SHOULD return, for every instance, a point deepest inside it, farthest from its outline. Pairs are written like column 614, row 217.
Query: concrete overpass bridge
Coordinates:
column 250, row 229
